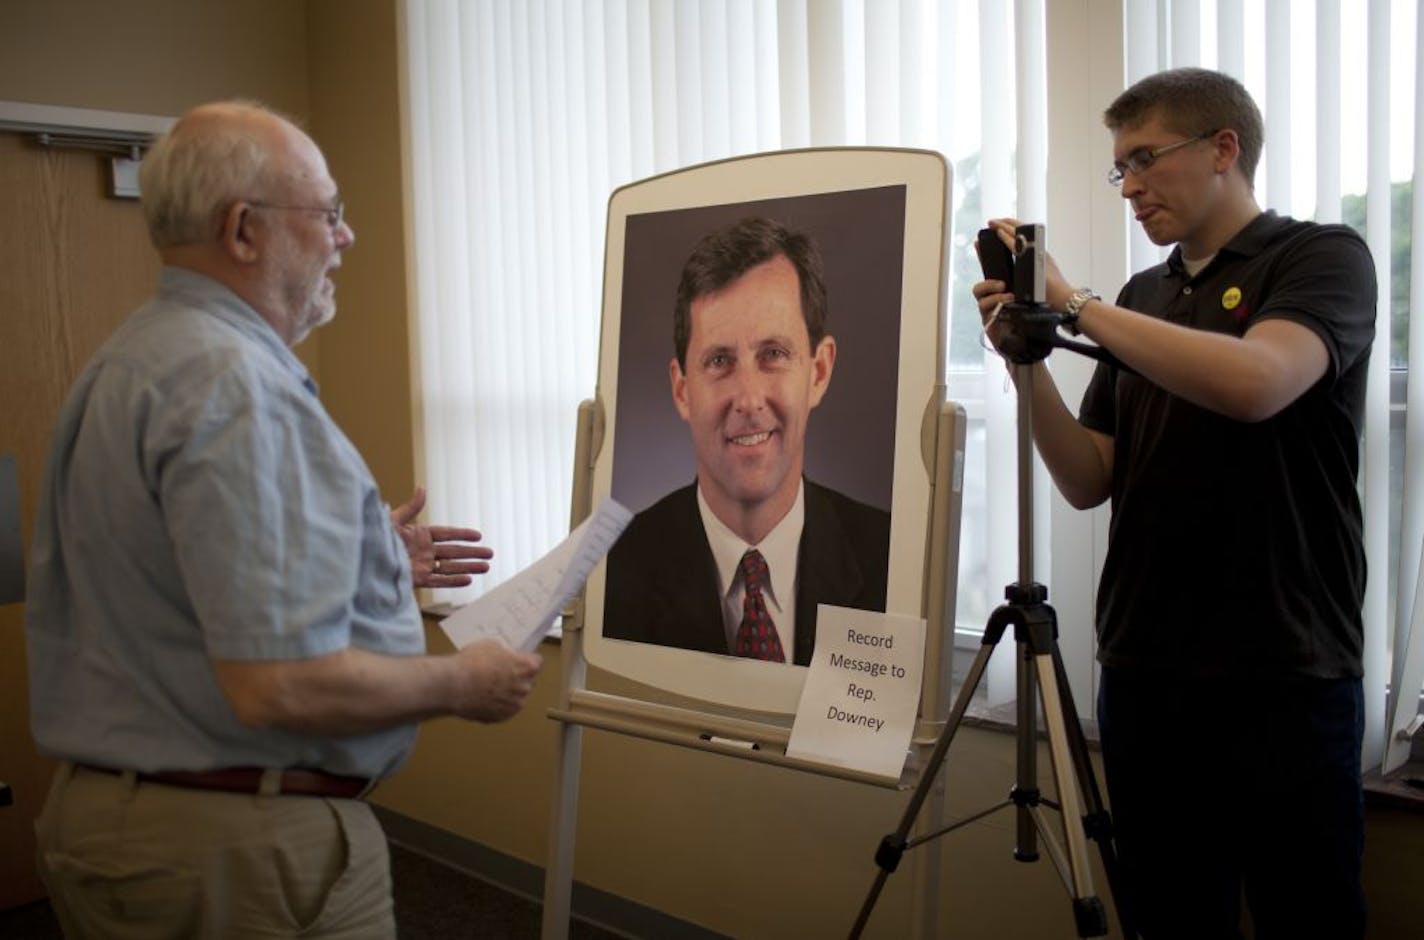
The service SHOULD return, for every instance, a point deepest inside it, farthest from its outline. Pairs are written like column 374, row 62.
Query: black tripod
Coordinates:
column 1030, row 334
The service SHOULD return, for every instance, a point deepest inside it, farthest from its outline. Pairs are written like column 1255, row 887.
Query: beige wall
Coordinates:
column 659, row 825
column 355, row 116
column 153, row 56
column 157, row 57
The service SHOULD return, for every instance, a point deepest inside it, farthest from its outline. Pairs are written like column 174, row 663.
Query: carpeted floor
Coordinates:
column 433, row 902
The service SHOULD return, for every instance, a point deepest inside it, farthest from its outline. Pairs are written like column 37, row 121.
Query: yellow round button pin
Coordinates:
column 1231, row 298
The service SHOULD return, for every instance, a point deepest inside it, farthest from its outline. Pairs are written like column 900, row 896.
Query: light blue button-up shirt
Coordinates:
column 199, row 503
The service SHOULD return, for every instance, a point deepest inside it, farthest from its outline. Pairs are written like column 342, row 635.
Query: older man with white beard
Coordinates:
column 225, row 651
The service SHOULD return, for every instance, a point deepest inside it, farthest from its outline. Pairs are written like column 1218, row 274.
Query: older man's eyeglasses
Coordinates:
column 335, row 213
column 1141, row 160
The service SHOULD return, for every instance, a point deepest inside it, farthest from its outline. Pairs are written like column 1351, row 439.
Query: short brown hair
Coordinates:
column 725, row 255
column 1194, row 101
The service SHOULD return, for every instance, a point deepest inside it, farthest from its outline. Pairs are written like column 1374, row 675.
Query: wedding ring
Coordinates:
column 437, row 566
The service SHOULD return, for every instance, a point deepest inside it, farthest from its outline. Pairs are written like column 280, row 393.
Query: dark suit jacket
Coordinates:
column 662, row 579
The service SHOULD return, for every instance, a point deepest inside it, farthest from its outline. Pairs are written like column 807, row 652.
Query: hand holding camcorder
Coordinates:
column 1020, row 268
column 1026, row 327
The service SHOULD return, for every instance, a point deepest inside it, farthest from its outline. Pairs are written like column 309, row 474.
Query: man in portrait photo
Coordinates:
column 737, row 561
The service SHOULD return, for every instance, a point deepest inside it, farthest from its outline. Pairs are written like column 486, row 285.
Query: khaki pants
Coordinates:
column 138, row 861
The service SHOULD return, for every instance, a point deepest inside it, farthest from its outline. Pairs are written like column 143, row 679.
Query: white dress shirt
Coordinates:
column 779, row 548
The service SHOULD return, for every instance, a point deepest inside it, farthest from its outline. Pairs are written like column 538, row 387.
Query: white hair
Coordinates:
column 193, row 173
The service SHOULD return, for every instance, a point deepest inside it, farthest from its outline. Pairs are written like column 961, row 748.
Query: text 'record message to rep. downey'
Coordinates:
column 862, row 692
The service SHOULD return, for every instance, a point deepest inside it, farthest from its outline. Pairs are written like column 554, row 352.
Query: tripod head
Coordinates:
column 1027, row 332
column 1027, row 329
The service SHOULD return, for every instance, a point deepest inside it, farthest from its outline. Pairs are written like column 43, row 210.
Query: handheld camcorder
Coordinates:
column 1026, row 326
column 1021, row 268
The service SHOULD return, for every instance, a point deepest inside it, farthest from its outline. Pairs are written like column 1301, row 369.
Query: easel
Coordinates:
column 942, row 449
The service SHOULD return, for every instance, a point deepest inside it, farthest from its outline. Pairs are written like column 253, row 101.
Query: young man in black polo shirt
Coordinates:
column 1229, row 612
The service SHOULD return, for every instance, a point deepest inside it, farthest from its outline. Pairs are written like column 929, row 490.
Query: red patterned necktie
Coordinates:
column 756, row 634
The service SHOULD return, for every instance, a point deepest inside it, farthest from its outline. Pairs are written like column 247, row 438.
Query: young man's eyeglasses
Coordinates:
column 335, row 212
column 1141, row 160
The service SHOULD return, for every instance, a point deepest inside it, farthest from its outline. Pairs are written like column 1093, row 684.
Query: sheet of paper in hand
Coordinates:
column 523, row 609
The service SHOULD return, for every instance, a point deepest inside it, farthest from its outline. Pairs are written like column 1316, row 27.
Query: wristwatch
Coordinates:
column 1074, row 306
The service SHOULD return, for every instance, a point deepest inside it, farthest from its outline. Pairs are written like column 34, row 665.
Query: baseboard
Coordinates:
column 609, row 911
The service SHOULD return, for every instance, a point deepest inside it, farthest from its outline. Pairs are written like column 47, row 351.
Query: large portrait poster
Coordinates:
column 701, row 434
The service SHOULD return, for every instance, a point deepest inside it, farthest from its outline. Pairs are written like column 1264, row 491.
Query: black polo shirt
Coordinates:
column 1236, row 549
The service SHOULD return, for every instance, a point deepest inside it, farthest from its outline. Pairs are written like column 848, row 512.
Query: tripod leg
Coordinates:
column 1097, row 821
column 1025, row 793
column 1087, row 908
column 892, row 847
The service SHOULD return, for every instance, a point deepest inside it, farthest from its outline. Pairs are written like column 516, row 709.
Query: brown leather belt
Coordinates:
column 296, row 782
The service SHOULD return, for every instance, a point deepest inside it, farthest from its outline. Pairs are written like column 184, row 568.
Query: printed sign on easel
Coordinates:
column 862, row 693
